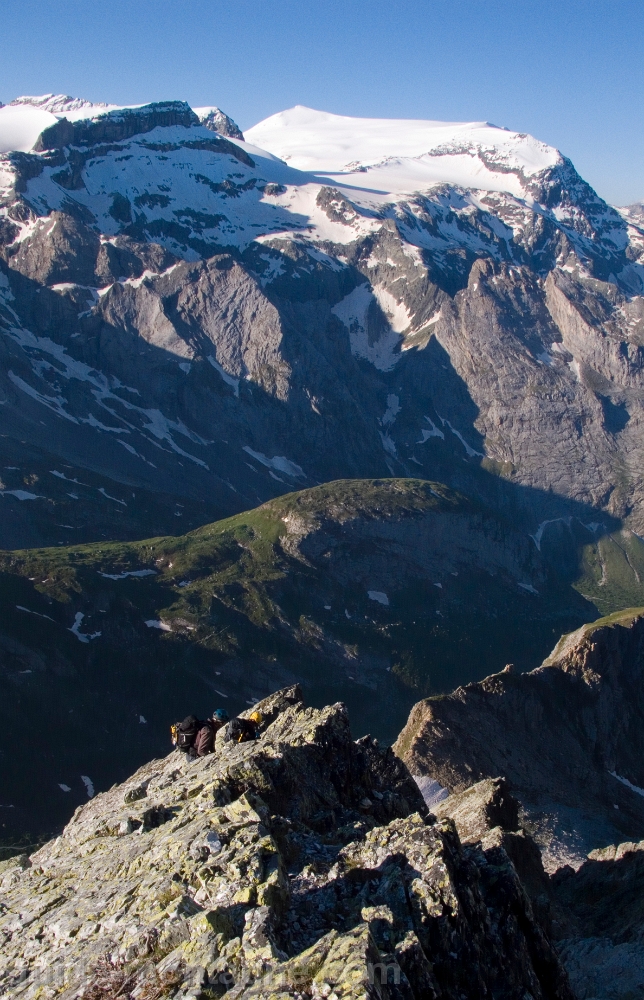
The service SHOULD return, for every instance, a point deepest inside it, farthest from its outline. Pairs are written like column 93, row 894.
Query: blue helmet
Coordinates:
column 220, row 714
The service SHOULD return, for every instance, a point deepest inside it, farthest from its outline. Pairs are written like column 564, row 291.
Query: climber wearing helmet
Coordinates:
column 241, row 730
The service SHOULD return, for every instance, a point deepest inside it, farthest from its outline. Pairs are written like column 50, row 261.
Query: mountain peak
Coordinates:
column 456, row 152
column 56, row 104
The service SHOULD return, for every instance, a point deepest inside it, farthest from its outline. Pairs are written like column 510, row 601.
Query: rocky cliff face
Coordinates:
column 302, row 865
column 188, row 315
column 567, row 736
column 594, row 915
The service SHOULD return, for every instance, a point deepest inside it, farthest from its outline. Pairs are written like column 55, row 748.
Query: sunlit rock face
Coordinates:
column 299, row 864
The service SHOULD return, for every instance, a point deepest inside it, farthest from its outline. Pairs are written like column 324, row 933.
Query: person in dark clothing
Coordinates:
column 242, row 730
column 205, row 739
column 196, row 738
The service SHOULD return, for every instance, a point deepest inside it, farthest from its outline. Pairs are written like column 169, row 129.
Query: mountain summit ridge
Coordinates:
column 191, row 315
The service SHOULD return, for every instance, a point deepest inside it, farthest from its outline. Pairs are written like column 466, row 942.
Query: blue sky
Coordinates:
column 569, row 72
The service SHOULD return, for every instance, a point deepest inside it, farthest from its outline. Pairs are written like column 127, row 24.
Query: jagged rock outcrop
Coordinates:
column 595, row 914
column 301, row 865
column 567, row 736
column 603, row 945
column 218, row 121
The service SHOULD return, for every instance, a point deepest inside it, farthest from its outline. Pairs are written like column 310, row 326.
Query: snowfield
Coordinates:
column 463, row 153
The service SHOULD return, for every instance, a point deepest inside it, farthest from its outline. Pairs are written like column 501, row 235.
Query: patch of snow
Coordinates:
column 89, row 786
column 185, row 366
column 63, row 787
column 21, row 495
column 228, row 379
column 379, row 596
column 396, row 312
column 277, row 462
column 61, row 475
column 132, row 572
column 274, row 270
column 153, row 623
column 93, row 422
column 352, row 312
column 433, row 431
column 468, row 448
column 431, row 790
column 529, row 588
column 20, row 127
column 37, row 613
column 108, row 497
column 143, row 721
column 388, row 444
column 538, row 535
column 392, row 411
column 625, row 781
column 75, row 629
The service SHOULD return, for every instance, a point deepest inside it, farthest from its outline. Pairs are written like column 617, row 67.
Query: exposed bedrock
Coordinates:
column 303, row 864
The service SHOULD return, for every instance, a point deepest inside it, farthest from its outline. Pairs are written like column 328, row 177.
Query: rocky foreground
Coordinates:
column 568, row 736
column 303, row 865
column 568, row 739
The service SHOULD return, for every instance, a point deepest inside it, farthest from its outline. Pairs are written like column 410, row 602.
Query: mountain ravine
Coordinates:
column 186, row 316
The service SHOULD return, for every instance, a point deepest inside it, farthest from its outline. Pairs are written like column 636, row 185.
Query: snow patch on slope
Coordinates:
column 277, row 462
column 352, row 311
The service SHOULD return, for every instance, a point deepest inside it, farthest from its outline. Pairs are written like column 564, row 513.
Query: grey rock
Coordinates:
column 481, row 808
column 114, row 126
column 397, row 907
column 217, row 121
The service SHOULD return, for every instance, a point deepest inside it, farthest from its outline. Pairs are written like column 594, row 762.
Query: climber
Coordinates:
column 197, row 738
column 241, row 730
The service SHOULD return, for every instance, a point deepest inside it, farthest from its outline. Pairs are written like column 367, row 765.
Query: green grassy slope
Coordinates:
column 248, row 604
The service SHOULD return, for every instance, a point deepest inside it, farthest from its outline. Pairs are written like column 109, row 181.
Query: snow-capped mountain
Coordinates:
column 188, row 311
column 320, row 142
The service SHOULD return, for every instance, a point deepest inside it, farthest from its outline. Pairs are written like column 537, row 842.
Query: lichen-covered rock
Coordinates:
column 303, row 864
column 482, row 807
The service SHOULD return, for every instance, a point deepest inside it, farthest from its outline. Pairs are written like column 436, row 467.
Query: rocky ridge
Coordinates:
column 566, row 741
column 302, row 865
column 567, row 736
column 594, row 915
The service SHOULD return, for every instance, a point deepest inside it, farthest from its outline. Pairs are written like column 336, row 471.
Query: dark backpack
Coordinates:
column 184, row 733
column 240, row 730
